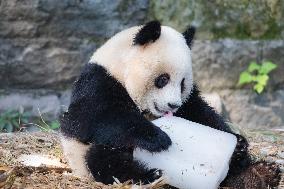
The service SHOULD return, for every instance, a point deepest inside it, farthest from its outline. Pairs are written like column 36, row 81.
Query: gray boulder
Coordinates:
column 250, row 110
column 218, row 64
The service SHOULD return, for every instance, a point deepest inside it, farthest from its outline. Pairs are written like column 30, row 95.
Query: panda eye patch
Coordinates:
column 162, row 80
column 182, row 85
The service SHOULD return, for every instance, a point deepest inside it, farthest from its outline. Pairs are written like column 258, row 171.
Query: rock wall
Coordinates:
column 253, row 19
column 217, row 64
column 44, row 44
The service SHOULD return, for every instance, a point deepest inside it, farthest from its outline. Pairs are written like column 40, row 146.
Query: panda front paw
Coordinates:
column 151, row 175
column 242, row 146
column 241, row 152
column 154, row 141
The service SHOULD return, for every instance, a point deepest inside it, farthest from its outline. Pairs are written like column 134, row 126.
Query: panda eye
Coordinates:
column 162, row 80
column 182, row 85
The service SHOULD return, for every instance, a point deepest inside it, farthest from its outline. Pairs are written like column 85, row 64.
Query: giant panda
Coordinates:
column 143, row 70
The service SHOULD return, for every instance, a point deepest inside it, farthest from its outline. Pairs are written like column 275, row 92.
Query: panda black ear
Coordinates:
column 189, row 35
column 150, row 32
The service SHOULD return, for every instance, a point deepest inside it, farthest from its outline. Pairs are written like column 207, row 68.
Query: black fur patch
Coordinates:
column 150, row 32
column 189, row 36
column 106, row 162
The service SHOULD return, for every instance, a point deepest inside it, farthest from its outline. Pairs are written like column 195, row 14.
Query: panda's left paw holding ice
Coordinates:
column 154, row 141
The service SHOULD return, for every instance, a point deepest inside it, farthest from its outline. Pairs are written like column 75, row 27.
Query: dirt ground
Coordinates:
column 13, row 174
column 265, row 145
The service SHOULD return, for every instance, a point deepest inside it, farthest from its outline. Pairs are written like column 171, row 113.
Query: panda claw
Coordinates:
column 151, row 176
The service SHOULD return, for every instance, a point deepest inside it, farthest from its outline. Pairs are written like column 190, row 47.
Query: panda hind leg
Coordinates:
column 105, row 163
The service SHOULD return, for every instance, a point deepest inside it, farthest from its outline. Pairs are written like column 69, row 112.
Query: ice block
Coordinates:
column 198, row 157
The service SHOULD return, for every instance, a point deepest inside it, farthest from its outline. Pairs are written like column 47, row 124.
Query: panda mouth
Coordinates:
column 164, row 113
column 157, row 109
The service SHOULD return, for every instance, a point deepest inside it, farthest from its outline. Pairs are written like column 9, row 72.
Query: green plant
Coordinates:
column 257, row 74
column 12, row 120
column 46, row 126
column 42, row 124
column 54, row 125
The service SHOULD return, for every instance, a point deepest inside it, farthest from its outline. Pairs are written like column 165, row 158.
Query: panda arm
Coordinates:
column 114, row 127
column 133, row 131
column 197, row 110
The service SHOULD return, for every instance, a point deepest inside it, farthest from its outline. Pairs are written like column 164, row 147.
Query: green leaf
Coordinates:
column 2, row 121
column 1, row 127
column 54, row 125
column 8, row 128
column 15, row 123
column 26, row 114
column 258, row 88
column 253, row 67
column 245, row 77
column 253, row 78
column 24, row 120
column 267, row 67
column 262, row 79
column 13, row 114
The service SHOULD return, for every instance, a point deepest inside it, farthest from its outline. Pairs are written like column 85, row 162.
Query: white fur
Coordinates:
column 136, row 67
column 75, row 153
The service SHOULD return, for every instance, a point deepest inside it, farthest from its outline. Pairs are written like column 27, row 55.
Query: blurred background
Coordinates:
column 238, row 54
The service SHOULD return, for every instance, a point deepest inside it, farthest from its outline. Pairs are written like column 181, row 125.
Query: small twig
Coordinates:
column 43, row 128
column 40, row 115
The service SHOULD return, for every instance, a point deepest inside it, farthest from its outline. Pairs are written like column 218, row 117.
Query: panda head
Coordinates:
column 153, row 63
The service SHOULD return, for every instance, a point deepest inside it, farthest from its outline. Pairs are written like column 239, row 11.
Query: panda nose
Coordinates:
column 173, row 106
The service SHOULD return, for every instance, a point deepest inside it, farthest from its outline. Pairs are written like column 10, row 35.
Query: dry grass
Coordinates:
column 14, row 175
column 47, row 177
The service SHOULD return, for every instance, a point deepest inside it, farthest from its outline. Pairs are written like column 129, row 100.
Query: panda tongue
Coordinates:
column 168, row 114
